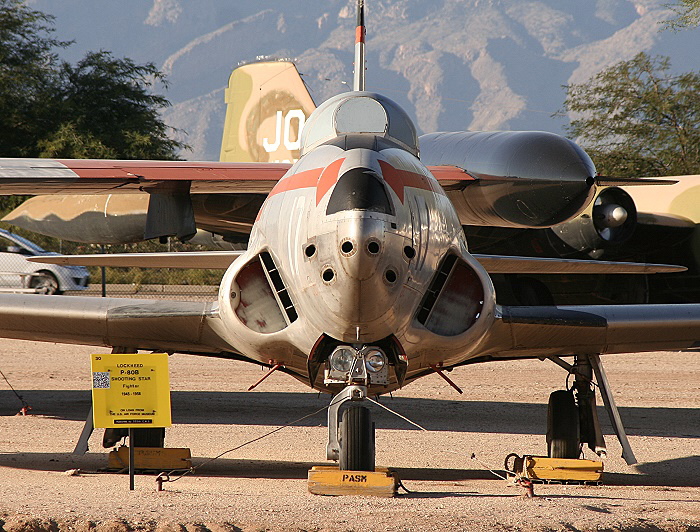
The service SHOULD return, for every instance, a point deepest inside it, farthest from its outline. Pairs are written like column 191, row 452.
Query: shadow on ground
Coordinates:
column 667, row 473
column 278, row 408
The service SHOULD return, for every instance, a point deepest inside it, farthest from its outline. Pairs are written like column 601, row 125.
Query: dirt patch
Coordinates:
column 263, row 486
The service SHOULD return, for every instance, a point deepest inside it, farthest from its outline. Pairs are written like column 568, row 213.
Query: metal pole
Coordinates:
column 360, row 31
column 611, row 407
column 131, row 459
column 104, row 275
column 82, row 446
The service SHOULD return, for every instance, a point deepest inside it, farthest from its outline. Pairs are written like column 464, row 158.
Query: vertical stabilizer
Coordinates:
column 360, row 32
column 267, row 104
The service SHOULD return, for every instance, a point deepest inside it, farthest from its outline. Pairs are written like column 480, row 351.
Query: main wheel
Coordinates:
column 563, row 432
column 45, row 283
column 356, row 439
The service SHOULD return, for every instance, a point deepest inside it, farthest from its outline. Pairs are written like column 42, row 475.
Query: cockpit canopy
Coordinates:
column 356, row 113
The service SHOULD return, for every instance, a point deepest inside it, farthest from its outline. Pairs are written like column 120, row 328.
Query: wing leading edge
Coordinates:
column 135, row 323
column 93, row 176
column 223, row 259
column 535, row 332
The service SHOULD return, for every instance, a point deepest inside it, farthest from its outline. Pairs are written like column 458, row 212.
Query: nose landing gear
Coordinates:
column 351, row 442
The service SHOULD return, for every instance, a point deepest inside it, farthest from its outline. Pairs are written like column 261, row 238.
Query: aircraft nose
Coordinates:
column 363, row 271
column 360, row 247
column 368, row 272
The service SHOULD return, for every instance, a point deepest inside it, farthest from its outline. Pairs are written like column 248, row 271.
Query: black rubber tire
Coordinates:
column 149, row 437
column 356, row 439
column 563, row 431
column 45, row 283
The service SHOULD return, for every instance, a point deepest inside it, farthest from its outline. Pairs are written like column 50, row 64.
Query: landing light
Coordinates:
column 375, row 359
column 341, row 359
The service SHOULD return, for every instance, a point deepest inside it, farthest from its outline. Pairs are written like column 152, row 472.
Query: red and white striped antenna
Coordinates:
column 360, row 32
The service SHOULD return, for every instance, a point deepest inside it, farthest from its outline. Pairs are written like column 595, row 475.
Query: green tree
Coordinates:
column 28, row 74
column 101, row 107
column 687, row 15
column 108, row 111
column 637, row 119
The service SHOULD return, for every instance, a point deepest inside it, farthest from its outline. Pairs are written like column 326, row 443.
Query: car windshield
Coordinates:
column 28, row 244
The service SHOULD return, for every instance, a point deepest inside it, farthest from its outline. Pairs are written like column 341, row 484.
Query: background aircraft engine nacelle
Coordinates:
column 524, row 178
column 609, row 221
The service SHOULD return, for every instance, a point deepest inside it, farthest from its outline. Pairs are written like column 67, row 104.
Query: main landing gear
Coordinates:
column 572, row 418
column 351, row 442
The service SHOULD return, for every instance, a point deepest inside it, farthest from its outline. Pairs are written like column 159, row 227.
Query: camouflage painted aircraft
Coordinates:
column 357, row 278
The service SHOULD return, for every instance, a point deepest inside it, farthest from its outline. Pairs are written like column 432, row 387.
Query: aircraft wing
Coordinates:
column 223, row 259
column 90, row 176
column 535, row 332
column 161, row 325
column 506, row 264
column 215, row 260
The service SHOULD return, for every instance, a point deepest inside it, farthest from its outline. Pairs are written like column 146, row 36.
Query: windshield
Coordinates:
column 26, row 243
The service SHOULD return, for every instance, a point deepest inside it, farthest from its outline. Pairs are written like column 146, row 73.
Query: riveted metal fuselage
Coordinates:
column 356, row 236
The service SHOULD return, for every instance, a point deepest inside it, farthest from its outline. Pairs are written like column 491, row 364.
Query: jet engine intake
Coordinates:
column 260, row 297
column 454, row 300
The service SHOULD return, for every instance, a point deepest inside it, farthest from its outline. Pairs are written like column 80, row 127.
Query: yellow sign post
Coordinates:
column 131, row 391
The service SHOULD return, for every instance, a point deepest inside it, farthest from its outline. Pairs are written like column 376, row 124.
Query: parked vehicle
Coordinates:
column 17, row 274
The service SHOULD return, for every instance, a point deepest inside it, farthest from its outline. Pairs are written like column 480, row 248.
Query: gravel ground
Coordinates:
column 263, row 486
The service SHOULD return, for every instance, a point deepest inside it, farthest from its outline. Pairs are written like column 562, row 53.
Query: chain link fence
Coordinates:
column 18, row 275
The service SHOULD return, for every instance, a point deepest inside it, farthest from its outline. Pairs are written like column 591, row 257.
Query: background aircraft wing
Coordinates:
column 533, row 332
column 160, row 325
column 90, row 176
column 506, row 264
column 216, row 260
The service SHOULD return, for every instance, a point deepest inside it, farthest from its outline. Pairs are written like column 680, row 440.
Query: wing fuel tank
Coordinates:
column 523, row 178
column 105, row 219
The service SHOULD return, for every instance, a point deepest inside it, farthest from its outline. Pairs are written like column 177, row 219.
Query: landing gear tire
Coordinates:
column 112, row 437
column 563, row 432
column 356, row 439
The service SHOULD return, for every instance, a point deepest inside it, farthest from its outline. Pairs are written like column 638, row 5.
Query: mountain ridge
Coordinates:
column 453, row 64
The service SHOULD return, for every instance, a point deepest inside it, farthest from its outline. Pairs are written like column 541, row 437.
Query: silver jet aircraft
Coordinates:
column 357, row 278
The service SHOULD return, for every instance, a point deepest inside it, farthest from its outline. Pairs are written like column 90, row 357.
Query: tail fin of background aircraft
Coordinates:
column 267, row 104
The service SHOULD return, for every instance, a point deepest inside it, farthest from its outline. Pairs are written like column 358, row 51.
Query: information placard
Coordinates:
column 131, row 390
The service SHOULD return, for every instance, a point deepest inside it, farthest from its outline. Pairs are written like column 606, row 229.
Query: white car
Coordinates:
column 17, row 274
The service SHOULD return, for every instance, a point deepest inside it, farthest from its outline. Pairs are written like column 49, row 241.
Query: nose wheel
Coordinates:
column 356, row 439
column 351, row 442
